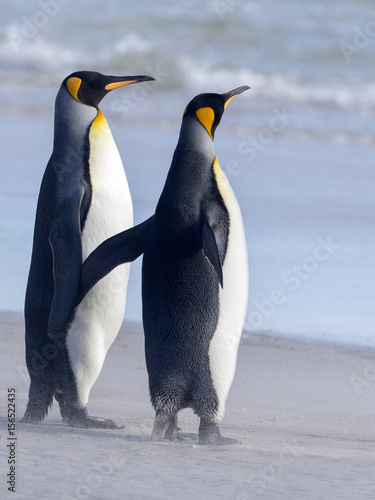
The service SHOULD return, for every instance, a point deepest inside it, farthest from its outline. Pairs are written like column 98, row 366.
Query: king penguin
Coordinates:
column 194, row 278
column 84, row 199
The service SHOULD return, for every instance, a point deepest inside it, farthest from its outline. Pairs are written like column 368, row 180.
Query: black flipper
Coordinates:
column 210, row 246
column 66, row 245
column 119, row 249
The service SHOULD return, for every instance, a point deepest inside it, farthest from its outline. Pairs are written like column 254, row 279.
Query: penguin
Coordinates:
column 194, row 278
column 84, row 199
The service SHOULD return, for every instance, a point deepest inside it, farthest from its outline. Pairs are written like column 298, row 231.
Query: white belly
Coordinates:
column 232, row 302
column 99, row 316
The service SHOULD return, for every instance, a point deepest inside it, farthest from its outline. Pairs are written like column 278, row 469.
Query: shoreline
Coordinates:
column 266, row 339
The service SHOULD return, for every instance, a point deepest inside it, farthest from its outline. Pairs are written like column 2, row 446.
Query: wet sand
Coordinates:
column 304, row 413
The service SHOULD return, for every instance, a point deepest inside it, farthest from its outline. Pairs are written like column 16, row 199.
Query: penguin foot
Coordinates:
column 30, row 418
column 39, row 403
column 166, row 424
column 93, row 422
column 76, row 417
column 209, row 434
column 35, row 413
column 219, row 441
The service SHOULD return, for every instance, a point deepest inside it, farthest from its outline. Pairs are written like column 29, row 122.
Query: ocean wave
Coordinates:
column 279, row 87
column 33, row 59
column 337, row 108
column 39, row 59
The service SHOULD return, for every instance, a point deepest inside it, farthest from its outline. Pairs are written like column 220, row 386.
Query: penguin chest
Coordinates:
column 232, row 301
column 110, row 209
column 110, row 212
column 99, row 316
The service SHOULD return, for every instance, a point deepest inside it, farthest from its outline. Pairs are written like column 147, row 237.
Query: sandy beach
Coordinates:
column 304, row 413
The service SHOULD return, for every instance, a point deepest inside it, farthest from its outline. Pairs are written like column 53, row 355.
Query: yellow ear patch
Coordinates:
column 206, row 116
column 116, row 85
column 73, row 85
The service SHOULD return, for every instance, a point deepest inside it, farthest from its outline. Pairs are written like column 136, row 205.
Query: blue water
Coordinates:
column 298, row 147
column 315, row 58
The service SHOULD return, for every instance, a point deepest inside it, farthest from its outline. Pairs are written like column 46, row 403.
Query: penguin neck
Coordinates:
column 194, row 137
column 72, row 123
column 194, row 154
column 191, row 172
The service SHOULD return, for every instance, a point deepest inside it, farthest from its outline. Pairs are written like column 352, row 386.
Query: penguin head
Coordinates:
column 89, row 87
column 209, row 108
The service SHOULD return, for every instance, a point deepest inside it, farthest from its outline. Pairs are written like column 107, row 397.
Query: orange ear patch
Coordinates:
column 73, row 85
column 206, row 116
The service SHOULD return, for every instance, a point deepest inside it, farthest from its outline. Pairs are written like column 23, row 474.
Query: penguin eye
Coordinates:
column 206, row 116
column 73, row 85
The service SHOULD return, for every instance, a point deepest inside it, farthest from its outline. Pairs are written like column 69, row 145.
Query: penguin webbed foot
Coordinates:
column 39, row 403
column 35, row 414
column 209, row 434
column 165, row 424
column 79, row 418
column 31, row 417
column 95, row 423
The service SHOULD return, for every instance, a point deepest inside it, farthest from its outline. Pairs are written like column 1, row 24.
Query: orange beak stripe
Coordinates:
column 229, row 100
column 116, row 85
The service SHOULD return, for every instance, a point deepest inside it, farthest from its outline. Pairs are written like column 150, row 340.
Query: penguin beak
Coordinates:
column 229, row 96
column 121, row 81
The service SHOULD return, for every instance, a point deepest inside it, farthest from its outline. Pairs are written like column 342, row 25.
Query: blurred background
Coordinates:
column 298, row 148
